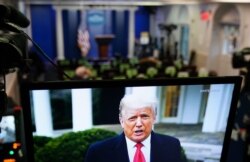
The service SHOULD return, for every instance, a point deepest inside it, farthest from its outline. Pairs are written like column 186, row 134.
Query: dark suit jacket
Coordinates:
column 163, row 149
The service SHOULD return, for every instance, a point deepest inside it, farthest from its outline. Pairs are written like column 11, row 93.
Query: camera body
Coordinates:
column 13, row 47
column 239, row 58
column 13, row 51
column 12, row 136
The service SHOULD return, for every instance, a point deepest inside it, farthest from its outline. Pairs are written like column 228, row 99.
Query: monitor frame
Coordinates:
column 27, row 86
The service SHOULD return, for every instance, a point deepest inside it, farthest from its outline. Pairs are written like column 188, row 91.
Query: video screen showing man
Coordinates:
column 138, row 142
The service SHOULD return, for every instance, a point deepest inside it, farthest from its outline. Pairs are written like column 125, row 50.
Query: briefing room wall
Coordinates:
column 116, row 22
column 178, row 15
column 120, row 30
column 43, row 28
column 71, row 20
column 200, row 31
column 202, row 36
column 244, row 39
column 44, row 31
column 141, row 21
column 215, row 52
column 98, row 22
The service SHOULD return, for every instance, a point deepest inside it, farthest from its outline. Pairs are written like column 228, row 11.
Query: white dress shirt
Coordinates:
column 145, row 148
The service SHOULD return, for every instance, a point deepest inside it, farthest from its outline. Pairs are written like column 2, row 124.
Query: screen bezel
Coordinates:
column 27, row 86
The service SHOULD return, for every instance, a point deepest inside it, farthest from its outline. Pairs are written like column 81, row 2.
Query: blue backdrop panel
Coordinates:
column 95, row 21
column 43, row 29
column 141, row 21
column 71, row 20
column 99, row 22
column 120, row 29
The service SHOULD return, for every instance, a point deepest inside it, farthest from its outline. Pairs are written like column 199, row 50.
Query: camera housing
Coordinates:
column 239, row 58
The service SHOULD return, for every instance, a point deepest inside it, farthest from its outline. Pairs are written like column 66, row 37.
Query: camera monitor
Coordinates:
column 198, row 111
column 11, row 137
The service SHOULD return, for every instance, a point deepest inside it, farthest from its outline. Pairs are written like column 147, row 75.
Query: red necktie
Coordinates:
column 139, row 157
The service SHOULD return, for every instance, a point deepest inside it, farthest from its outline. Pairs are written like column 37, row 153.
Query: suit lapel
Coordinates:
column 156, row 153
column 120, row 149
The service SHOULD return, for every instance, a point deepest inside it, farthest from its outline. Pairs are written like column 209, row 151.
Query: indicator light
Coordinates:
column 11, row 152
column 16, row 145
column 9, row 160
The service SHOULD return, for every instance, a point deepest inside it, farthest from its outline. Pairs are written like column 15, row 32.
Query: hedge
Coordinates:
column 70, row 147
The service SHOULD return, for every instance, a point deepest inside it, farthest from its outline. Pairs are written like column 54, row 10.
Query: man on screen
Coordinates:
column 138, row 142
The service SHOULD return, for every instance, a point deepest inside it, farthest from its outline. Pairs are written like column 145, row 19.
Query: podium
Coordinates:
column 103, row 42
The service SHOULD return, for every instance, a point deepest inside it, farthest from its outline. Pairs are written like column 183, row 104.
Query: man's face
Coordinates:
column 137, row 123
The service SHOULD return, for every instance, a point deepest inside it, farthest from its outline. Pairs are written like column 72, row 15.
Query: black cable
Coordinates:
column 13, row 28
column 46, row 56
column 3, row 95
column 4, row 81
column 3, row 73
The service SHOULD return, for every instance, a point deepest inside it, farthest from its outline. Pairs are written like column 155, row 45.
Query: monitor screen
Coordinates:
column 198, row 111
column 8, row 129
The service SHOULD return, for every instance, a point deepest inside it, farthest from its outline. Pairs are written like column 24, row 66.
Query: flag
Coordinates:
column 83, row 42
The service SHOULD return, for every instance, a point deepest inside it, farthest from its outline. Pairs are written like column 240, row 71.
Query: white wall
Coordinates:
column 191, row 104
column 203, row 38
column 244, row 10
column 81, row 112
column 218, row 107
